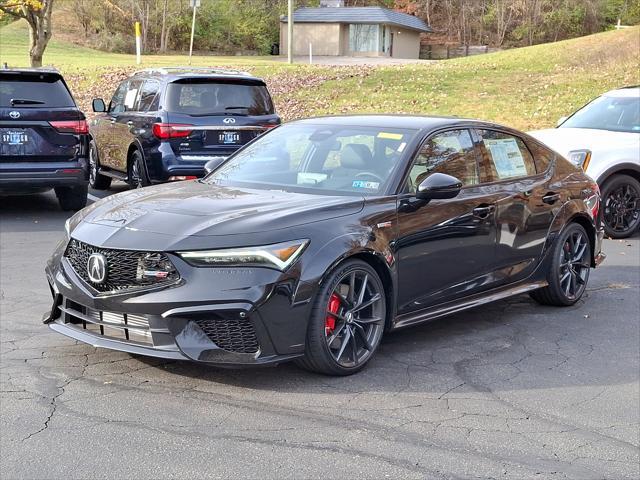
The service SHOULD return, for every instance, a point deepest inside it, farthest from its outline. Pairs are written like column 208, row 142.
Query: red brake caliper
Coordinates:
column 330, row 321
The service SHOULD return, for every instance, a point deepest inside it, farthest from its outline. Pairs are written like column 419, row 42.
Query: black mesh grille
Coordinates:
column 126, row 269
column 232, row 335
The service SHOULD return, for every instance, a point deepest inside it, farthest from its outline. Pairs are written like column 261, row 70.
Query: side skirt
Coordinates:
column 442, row 310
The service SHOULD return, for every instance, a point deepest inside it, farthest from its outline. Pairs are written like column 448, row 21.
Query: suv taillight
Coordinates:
column 164, row 131
column 70, row 126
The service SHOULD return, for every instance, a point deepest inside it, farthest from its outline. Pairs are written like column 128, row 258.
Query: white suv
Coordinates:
column 603, row 137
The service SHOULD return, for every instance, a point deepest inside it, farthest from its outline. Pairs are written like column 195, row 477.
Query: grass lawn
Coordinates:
column 525, row 88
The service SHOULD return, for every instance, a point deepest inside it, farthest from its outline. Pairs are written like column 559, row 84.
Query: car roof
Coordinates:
column 625, row 92
column 177, row 73
column 416, row 122
column 45, row 70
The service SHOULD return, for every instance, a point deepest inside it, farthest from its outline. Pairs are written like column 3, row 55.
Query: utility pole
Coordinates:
column 194, row 4
column 290, row 33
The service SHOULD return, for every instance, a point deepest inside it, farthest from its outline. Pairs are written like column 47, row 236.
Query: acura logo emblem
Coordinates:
column 229, row 120
column 97, row 268
column 14, row 114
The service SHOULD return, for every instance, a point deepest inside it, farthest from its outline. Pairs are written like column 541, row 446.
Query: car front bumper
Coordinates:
column 187, row 320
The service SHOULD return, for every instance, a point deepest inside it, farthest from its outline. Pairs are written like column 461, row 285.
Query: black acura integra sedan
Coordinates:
column 319, row 236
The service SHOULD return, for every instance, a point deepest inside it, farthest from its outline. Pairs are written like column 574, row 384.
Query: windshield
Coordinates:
column 337, row 160
column 620, row 114
column 204, row 97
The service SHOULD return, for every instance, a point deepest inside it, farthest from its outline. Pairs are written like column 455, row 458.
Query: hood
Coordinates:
column 194, row 208
column 564, row 140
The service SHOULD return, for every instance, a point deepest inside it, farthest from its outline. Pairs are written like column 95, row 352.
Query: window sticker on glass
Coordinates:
column 362, row 184
column 390, row 136
column 130, row 98
column 401, row 147
column 309, row 178
column 507, row 157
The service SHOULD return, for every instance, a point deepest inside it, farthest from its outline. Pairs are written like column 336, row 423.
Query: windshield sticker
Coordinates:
column 507, row 157
column 308, row 178
column 401, row 147
column 390, row 136
column 362, row 184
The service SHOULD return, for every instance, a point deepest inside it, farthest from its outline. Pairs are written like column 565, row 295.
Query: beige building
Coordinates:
column 354, row 31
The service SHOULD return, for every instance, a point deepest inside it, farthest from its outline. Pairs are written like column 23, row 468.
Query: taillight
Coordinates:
column 164, row 131
column 70, row 126
column 593, row 201
column 268, row 125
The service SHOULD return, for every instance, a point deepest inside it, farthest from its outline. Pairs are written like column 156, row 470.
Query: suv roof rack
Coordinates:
column 205, row 70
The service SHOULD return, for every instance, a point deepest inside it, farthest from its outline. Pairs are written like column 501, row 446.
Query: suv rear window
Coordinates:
column 211, row 98
column 33, row 91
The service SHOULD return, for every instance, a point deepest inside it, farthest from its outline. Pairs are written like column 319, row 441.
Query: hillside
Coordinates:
column 526, row 88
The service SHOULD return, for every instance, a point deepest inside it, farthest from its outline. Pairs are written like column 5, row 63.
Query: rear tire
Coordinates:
column 72, row 198
column 347, row 320
column 137, row 171
column 96, row 179
column 621, row 206
column 569, row 271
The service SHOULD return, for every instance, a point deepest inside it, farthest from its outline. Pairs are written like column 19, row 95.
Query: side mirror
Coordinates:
column 212, row 164
column 560, row 121
column 438, row 186
column 98, row 105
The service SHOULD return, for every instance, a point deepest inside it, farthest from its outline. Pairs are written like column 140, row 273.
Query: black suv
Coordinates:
column 165, row 124
column 44, row 137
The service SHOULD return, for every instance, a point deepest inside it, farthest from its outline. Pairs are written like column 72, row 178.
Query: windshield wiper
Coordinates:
column 236, row 108
column 25, row 101
column 217, row 114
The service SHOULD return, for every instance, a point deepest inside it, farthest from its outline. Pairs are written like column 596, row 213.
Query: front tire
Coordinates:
column 96, row 180
column 72, row 198
column 347, row 320
column 570, row 267
column 621, row 206
column 137, row 171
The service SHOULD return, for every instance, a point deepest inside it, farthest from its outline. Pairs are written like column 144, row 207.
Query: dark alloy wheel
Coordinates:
column 347, row 321
column 621, row 206
column 96, row 180
column 137, row 172
column 570, row 268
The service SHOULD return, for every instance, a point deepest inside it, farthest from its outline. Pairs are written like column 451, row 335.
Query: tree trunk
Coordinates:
column 163, row 31
column 39, row 32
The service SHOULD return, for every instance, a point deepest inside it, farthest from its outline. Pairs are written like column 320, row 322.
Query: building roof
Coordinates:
column 358, row 15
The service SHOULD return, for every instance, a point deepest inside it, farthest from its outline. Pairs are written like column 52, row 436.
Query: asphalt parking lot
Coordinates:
column 512, row 390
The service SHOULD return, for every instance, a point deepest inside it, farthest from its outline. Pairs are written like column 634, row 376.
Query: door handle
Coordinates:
column 483, row 211
column 551, row 198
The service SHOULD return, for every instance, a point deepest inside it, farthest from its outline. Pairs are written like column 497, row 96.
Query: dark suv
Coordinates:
column 43, row 135
column 165, row 124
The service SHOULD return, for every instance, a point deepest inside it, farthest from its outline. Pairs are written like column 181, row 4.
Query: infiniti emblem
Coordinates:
column 14, row 114
column 229, row 120
column 97, row 268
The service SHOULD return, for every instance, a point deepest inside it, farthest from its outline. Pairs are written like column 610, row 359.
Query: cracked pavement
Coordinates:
column 508, row 390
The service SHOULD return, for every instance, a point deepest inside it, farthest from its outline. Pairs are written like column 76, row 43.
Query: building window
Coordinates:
column 364, row 38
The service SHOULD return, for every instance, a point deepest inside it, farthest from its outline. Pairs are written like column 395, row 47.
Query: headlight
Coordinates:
column 580, row 158
column 279, row 256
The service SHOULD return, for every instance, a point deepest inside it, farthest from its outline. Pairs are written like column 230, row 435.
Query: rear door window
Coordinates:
column 34, row 91
column 503, row 157
column 207, row 97
column 147, row 97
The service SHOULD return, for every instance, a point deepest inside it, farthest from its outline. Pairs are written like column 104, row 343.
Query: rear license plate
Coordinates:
column 14, row 137
column 229, row 138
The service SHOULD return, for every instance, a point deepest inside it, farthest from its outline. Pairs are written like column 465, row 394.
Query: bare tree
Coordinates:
column 37, row 13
